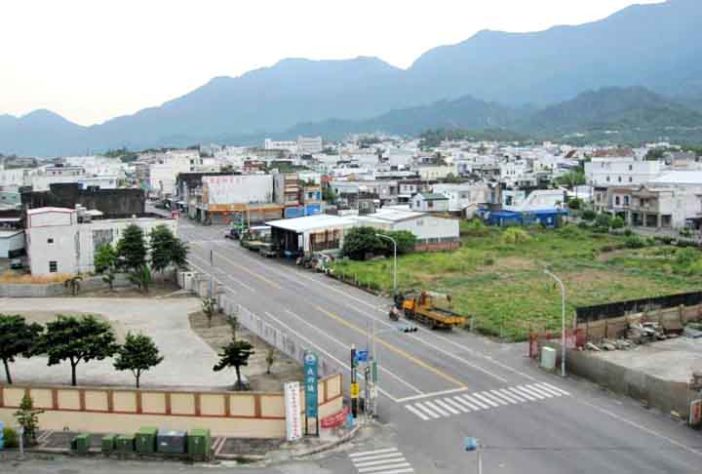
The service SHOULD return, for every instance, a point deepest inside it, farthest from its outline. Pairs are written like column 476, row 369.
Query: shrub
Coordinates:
column 617, row 223
column 589, row 215
column 515, row 235
column 604, row 221
column 11, row 438
column 475, row 228
column 634, row 242
column 627, row 232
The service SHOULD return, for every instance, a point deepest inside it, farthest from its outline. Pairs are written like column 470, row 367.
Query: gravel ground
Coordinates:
column 188, row 359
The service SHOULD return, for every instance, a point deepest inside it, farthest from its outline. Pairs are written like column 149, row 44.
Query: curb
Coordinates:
column 325, row 447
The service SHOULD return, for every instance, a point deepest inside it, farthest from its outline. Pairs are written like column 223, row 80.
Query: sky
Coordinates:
column 93, row 60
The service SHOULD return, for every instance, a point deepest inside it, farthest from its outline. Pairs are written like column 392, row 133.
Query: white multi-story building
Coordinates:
column 44, row 177
column 282, row 145
column 464, row 196
column 309, row 145
column 624, row 171
column 63, row 240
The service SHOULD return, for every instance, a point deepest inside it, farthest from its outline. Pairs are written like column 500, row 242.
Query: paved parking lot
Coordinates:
column 188, row 360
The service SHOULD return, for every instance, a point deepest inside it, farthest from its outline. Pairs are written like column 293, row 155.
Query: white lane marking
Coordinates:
column 489, row 400
column 436, row 408
column 465, row 403
column 239, row 282
column 521, row 393
column 431, row 394
column 546, row 389
column 503, row 396
column 322, row 351
column 507, row 393
column 397, row 471
column 457, row 405
column 538, row 395
column 555, row 388
column 446, row 406
column 382, row 459
column 417, row 412
column 427, row 410
column 375, row 451
column 345, row 346
column 474, row 401
column 541, row 391
column 382, row 469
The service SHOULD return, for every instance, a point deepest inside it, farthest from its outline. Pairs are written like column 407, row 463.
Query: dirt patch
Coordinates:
column 219, row 333
column 157, row 290
column 513, row 264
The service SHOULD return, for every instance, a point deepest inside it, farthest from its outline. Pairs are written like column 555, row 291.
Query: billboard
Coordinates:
column 293, row 419
column 238, row 189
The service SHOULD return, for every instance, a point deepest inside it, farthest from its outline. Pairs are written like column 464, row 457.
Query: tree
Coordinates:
column 166, row 249
column 105, row 263
column 131, row 248
column 233, row 321
column 141, row 277
column 16, row 338
column 73, row 283
column 617, row 223
column 76, row 339
column 28, row 418
column 328, row 194
column 603, row 220
column 209, row 308
column 405, row 239
column 235, row 354
column 270, row 359
column 575, row 177
column 361, row 242
column 138, row 354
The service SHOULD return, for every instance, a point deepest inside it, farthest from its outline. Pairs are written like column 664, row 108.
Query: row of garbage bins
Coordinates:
column 196, row 445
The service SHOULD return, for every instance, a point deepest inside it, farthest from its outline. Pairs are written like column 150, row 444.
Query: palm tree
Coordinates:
column 73, row 283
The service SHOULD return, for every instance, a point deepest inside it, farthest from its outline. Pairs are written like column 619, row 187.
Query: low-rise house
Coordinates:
column 61, row 240
column 429, row 202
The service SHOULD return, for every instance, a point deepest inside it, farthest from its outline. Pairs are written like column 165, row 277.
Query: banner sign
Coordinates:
column 311, row 384
column 335, row 420
column 293, row 420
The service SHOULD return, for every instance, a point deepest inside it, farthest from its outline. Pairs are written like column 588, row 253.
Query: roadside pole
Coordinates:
column 354, row 384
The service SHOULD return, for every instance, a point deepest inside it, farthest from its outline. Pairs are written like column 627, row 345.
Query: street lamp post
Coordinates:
column 563, row 328
column 394, row 268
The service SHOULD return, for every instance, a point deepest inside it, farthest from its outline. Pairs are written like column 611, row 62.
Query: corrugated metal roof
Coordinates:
column 304, row 224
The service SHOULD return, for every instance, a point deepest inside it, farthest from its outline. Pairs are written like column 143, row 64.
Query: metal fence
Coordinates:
column 287, row 343
column 621, row 308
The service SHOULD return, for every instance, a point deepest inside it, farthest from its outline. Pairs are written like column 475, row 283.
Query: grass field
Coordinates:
column 502, row 285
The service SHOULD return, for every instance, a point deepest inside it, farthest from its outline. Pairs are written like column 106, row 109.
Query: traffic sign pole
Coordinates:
column 354, row 385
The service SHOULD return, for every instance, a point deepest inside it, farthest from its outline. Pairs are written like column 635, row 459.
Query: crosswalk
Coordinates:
column 380, row 461
column 486, row 400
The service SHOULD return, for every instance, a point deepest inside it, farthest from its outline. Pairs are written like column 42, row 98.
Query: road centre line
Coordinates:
column 342, row 344
column 395, row 349
column 344, row 365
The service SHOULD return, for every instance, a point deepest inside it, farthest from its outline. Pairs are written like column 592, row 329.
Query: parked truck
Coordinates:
column 430, row 308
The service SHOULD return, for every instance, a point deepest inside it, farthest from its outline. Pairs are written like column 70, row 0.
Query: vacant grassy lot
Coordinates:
column 501, row 282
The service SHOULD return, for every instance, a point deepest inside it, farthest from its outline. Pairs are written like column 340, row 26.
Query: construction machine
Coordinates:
column 428, row 307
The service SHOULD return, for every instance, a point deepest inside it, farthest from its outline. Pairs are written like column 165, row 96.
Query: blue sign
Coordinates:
column 311, row 368
column 361, row 356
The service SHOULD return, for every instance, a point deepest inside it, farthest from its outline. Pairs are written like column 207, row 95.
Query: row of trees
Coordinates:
column 74, row 339
column 139, row 258
column 361, row 243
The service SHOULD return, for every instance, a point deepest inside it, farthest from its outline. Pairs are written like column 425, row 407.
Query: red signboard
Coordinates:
column 335, row 420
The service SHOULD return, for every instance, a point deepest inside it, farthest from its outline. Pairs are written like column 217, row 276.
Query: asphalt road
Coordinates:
column 438, row 387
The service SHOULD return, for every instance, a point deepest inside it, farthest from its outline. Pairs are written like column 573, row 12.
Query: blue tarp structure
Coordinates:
column 546, row 217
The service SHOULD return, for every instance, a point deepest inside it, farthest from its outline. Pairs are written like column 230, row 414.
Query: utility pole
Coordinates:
column 394, row 264
column 354, row 385
column 563, row 328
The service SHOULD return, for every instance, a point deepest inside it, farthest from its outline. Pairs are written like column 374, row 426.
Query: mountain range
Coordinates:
column 644, row 61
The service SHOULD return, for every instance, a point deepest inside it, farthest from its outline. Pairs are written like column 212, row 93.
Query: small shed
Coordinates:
column 306, row 235
column 429, row 202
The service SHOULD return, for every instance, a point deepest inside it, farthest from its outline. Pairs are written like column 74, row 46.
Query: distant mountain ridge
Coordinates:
column 655, row 46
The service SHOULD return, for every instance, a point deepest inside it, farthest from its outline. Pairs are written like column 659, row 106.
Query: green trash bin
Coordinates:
column 199, row 442
column 108, row 443
column 145, row 440
column 81, row 443
column 125, row 444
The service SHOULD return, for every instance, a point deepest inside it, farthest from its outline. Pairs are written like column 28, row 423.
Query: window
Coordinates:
column 608, row 179
column 619, row 179
column 626, row 200
column 631, row 167
column 50, row 240
column 631, row 179
column 53, row 266
column 616, row 200
column 430, row 204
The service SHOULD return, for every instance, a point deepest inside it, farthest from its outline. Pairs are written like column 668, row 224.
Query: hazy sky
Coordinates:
column 90, row 60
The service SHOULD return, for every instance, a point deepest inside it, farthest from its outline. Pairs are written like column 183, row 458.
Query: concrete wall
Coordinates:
column 13, row 290
column 665, row 395
column 112, row 202
column 671, row 319
column 103, row 410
